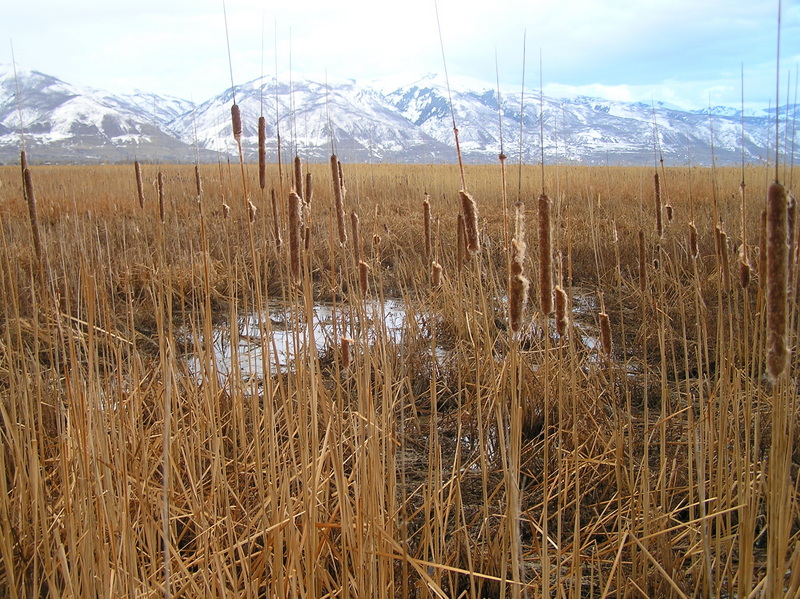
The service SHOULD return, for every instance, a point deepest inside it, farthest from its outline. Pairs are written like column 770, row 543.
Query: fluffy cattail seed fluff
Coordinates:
column 470, row 211
column 436, row 274
column 294, row 235
column 517, row 299
column 777, row 279
column 338, row 194
column 562, row 320
column 251, row 211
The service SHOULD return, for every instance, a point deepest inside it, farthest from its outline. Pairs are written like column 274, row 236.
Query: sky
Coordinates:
column 689, row 53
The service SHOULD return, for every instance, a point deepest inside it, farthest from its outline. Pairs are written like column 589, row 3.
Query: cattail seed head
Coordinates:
column 226, row 210
column 363, row 282
column 355, row 228
column 262, row 152
column 161, row 208
column 694, row 250
column 517, row 300
column 605, row 333
column 726, row 268
column 777, row 279
column 376, row 244
column 309, row 189
column 518, row 249
column 426, row 220
column 545, row 256
column 470, row 211
column 33, row 213
column 236, row 122
column 251, row 211
column 139, row 185
column 562, row 320
column 197, row 182
column 346, row 342
column 668, row 209
column 298, row 176
column 436, row 274
column 338, row 194
column 294, row 235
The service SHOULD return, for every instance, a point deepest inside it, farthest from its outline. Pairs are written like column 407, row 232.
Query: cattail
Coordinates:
column 307, row 238
column 470, row 211
column 562, row 320
column 197, row 183
column 363, row 271
column 642, row 263
column 276, row 223
column 726, row 268
column 461, row 249
column 262, row 152
column 226, row 210
column 694, row 250
column 294, row 235
column 139, row 185
column 436, row 274
column 762, row 251
column 251, row 211
column 777, row 279
column 345, row 351
column 309, row 189
column 518, row 245
column 31, row 197
column 744, row 269
column 340, row 170
column 338, row 194
column 426, row 220
column 545, row 257
column 659, row 225
column 354, row 227
column 668, row 208
column 161, row 208
column 298, row 176
column 376, row 244
column 517, row 299
column 23, row 163
column 605, row 333
column 236, row 122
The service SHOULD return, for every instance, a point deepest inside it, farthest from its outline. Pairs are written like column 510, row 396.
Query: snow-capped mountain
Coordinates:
column 378, row 121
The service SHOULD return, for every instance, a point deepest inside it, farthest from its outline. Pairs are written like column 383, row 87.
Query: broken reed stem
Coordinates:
column 298, row 176
column 30, row 196
column 162, row 210
column 562, row 319
column 139, row 186
column 777, row 279
column 545, row 256
column 338, row 194
column 262, row 152
column 470, row 211
column 356, row 229
column 294, row 235
column 276, row 222
column 659, row 224
column 426, row 219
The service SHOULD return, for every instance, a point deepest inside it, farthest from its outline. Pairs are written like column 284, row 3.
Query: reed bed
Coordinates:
column 643, row 442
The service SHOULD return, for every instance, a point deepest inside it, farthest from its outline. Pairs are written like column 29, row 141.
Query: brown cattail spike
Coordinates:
column 545, row 256
column 562, row 320
column 694, row 250
column 426, row 221
column 198, row 186
column 517, row 299
column 31, row 197
column 139, row 185
column 298, row 176
column 777, row 279
column 161, row 207
column 309, row 189
column 262, row 152
column 605, row 333
column 470, row 211
column 294, row 236
column 346, row 342
column 436, row 274
column 363, row 282
column 338, row 194
column 236, row 122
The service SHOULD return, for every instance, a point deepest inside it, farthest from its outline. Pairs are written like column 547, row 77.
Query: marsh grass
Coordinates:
column 468, row 456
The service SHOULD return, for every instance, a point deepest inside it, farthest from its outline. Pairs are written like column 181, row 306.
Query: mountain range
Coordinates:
column 367, row 121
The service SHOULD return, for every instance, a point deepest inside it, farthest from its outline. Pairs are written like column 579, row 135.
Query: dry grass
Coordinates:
column 453, row 459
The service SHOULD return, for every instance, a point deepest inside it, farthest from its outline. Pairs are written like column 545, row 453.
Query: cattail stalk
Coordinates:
column 139, row 185
column 470, row 211
column 777, row 279
column 762, row 252
column 460, row 245
column 659, row 224
column 356, row 229
column 726, row 268
column 605, row 333
column 338, row 194
column 294, row 235
column 642, row 263
column 262, row 152
column 545, row 256
column 276, row 221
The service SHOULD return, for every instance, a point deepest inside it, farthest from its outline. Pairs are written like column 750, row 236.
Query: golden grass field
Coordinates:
column 456, row 456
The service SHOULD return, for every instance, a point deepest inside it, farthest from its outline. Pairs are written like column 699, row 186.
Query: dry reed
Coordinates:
column 659, row 225
column 262, row 152
column 162, row 209
column 356, row 231
column 426, row 220
column 545, row 257
column 276, row 221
